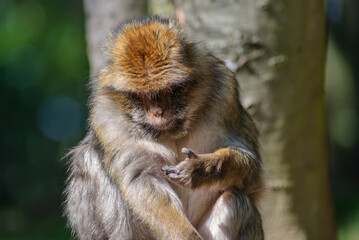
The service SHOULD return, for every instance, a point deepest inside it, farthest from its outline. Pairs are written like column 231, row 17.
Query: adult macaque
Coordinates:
column 170, row 153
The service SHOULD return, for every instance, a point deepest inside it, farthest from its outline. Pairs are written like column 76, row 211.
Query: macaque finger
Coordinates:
column 170, row 170
column 174, row 176
column 190, row 154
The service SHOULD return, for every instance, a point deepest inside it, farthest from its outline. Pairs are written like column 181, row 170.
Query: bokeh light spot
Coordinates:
column 345, row 128
column 59, row 117
column 334, row 10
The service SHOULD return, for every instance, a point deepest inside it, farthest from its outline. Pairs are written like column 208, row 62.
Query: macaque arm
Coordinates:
column 233, row 170
column 137, row 172
column 227, row 167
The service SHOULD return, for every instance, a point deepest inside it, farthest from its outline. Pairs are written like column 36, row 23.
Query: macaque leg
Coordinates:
column 143, row 187
column 233, row 216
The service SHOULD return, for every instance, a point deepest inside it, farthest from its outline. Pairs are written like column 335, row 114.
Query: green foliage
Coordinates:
column 43, row 76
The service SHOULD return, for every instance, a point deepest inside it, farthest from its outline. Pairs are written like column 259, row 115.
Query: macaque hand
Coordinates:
column 195, row 170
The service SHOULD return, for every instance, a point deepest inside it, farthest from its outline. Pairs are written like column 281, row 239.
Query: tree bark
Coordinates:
column 277, row 50
column 101, row 17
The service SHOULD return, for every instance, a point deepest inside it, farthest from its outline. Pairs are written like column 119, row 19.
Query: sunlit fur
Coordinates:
column 128, row 178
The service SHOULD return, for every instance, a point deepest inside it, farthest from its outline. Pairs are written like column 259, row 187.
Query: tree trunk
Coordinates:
column 277, row 50
column 101, row 17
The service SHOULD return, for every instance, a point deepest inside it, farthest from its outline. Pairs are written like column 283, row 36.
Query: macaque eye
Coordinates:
column 176, row 88
column 185, row 86
column 130, row 95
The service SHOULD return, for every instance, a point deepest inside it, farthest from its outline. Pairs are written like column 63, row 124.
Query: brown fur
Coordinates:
column 158, row 94
column 147, row 59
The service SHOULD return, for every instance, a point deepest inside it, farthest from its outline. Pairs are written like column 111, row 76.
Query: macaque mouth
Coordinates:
column 158, row 111
column 159, row 118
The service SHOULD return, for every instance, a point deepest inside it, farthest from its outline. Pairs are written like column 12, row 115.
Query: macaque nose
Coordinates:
column 157, row 111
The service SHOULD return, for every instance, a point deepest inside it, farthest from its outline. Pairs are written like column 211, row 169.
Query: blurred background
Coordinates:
column 342, row 88
column 43, row 75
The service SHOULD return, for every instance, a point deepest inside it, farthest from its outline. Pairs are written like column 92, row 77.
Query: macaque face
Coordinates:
column 158, row 110
column 152, row 73
column 162, row 111
column 166, row 110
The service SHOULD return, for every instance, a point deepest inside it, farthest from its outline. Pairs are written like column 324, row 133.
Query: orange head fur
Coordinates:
column 146, row 56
